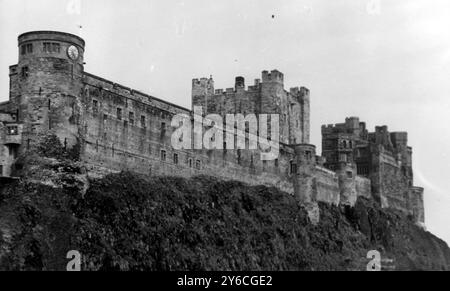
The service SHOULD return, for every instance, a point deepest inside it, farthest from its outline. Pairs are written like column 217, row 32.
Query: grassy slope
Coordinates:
column 126, row 222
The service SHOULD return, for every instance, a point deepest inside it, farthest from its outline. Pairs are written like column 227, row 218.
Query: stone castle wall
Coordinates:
column 123, row 129
column 140, row 143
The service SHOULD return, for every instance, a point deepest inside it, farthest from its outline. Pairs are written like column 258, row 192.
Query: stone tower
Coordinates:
column 46, row 88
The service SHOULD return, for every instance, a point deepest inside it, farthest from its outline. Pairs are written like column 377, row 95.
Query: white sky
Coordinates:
column 389, row 64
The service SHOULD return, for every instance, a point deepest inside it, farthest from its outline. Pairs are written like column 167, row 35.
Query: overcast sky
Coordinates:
column 387, row 62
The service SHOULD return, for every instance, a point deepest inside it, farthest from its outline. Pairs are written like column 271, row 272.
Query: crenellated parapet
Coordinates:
column 119, row 128
column 383, row 157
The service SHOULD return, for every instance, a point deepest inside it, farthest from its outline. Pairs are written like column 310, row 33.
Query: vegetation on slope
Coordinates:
column 128, row 222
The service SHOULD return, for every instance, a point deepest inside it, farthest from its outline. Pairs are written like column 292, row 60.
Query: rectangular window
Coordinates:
column 163, row 155
column 95, row 107
column 47, row 47
column 105, row 117
column 131, row 118
column 24, row 72
column 198, row 165
column 23, row 50
column 276, row 163
column 119, row 113
column 143, row 122
column 308, row 155
column 52, row 47
column 293, row 168
column 190, row 163
column 29, row 48
column 163, row 126
column 56, row 47
column 175, row 159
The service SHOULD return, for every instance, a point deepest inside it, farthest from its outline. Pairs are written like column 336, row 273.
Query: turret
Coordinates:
column 305, row 162
column 49, row 82
column 201, row 90
column 272, row 96
column 239, row 84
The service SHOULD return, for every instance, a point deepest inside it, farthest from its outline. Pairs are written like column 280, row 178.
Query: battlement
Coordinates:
column 202, row 87
column 399, row 139
column 122, row 128
column 239, row 86
column 301, row 91
column 352, row 125
column 274, row 76
column 381, row 129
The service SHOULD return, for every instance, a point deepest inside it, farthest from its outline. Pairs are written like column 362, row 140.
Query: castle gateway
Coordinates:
column 117, row 128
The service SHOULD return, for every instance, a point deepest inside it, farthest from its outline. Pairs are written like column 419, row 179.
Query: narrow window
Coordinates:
column 29, row 48
column 198, row 165
column 190, row 163
column 24, row 72
column 175, row 159
column 23, row 50
column 276, row 163
column 143, row 122
column 47, row 47
column 131, row 118
column 163, row 155
column 293, row 168
column 308, row 155
column 56, row 47
column 119, row 113
column 95, row 107
column 163, row 126
column 105, row 117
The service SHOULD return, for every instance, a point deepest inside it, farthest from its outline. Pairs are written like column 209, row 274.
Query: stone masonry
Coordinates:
column 118, row 128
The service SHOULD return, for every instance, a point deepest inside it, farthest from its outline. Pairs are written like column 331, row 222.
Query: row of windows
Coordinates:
column 198, row 162
column 52, row 47
column 119, row 115
column 363, row 170
column 49, row 47
column 189, row 161
column 26, row 49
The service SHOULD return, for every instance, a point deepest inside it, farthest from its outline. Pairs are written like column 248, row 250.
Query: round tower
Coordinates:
column 305, row 161
column 50, row 70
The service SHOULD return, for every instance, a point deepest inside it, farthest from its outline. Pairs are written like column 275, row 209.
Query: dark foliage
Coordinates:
column 126, row 222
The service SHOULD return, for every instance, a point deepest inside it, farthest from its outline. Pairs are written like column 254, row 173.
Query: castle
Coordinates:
column 118, row 128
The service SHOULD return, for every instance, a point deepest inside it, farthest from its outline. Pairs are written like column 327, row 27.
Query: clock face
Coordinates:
column 72, row 52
